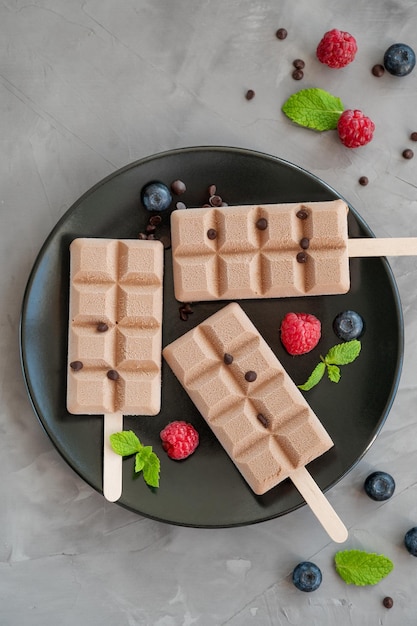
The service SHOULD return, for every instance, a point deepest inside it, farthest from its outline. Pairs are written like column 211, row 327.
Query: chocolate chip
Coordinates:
column 281, row 33
column 408, row 154
column 227, row 358
column 299, row 64
column 113, row 375
column 298, row 74
column 264, row 420
column 102, row 327
column 178, row 187
column 262, row 224
column 185, row 310
column 302, row 214
column 304, row 243
column 142, row 236
column 251, row 376
column 183, row 314
column 302, row 257
column 378, row 70
column 250, row 94
column 76, row 366
column 166, row 241
column 215, row 200
column 413, row 136
column 150, row 228
column 151, row 236
column 388, row 602
column 212, row 233
column 363, row 181
column 180, row 206
column 155, row 220
column 212, row 190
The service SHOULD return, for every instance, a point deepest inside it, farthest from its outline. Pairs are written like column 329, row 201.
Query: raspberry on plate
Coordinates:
column 355, row 129
column 300, row 332
column 336, row 49
column 179, row 439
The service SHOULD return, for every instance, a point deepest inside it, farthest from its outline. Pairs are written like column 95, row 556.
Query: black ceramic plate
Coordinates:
column 206, row 490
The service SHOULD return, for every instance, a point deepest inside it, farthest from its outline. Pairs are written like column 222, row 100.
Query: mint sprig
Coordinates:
column 341, row 354
column 127, row 443
column 314, row 108
column 361, row 568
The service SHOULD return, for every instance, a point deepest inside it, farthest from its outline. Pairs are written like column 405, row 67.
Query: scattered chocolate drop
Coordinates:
column 378, row 70
column 185, row 310
column 250, row 94
column 304, row 243
column 388, row 602
column 113, row 375
column 299, row 64
column 155, row 220
column 102, row 327
column 302, row 257
column 264, row 420
column 212, row 233
column 363, row 181
column 212, row 190
column 142, row 236
column 408, row 153
column 281, row 33
column 302, row 214
column 298, row 74
column 262, row 223
column 178, row 187
column 251, row 376
column 76, row 366
column 413, row 136
column 215, row 200
column 228, row 359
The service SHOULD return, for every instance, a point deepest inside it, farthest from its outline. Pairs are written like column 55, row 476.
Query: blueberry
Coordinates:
column 348, row 325
column 379, row 486
column 399, row 59
column 410, row 541
column 156, row 196
column 306, row 576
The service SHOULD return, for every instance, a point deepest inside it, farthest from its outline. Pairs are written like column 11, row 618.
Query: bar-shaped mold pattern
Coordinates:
column 260, row 251
column 247, row 398
column 115, row 326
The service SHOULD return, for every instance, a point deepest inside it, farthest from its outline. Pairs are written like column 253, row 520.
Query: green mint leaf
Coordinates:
column 314, row 378
column 333, row 372
column 362, row 568
column 314, row 108
column 125, row 443
column 151, row 470
column 343, row 353
column 139, row 463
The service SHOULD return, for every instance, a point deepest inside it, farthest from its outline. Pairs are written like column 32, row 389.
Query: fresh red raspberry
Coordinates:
column 355, row 129
column 300, row 332
column 337, row 49
column 179, row 439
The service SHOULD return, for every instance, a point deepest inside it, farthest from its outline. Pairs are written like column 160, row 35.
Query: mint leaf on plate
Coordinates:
column 127, row 443
column 314, row 108
column 340, row 354
column 361, row 568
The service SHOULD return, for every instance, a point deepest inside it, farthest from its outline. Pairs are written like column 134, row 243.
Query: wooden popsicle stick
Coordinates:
column 319, row 505
column 112, row 462
column 395, row 246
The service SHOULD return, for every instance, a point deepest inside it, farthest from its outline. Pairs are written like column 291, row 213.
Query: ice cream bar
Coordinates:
column 251, row 404
column 115, row 322
column 115, row 337
column 260, row 251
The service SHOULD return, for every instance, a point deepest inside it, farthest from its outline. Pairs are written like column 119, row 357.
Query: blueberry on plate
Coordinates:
column 307, row 576
column 156, row 196
column 348, row 325
column 399, row 59
column 410, row 541
column 379, row 486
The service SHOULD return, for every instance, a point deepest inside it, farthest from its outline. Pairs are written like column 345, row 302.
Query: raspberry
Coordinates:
column 179, row 439
column 300, row 332
column 336, row 49
column 355, row 129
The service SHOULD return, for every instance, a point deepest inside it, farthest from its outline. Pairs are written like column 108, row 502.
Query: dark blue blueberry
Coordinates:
column 379, row 486
column 410, row 541
column 399, row 59
column 156, row 196
column 348, row 325
column 307, row 576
